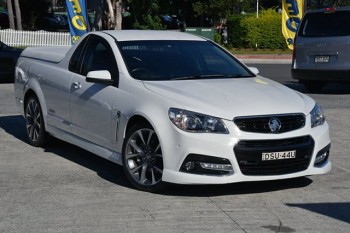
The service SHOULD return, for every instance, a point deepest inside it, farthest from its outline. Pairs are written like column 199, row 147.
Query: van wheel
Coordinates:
column 143, row 159
column 34, row 121
column 313, row 86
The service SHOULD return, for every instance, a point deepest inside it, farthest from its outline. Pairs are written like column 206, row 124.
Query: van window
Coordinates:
column 322, row 24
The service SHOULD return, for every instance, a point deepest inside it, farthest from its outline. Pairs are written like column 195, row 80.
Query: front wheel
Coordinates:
column 34, row 122
column 143, row 159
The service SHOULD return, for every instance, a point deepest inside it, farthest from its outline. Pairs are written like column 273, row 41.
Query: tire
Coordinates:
column 143, row 159
column 313, row 86
column 34, row 121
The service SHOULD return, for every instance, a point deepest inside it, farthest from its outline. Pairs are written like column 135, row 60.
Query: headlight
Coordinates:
column 196, row 122
column 317, row 116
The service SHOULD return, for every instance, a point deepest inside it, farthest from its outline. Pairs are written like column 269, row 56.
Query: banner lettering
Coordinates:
column 292, row 12
column 78, row 23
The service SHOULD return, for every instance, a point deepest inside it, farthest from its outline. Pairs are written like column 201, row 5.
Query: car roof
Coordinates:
column 132, row 35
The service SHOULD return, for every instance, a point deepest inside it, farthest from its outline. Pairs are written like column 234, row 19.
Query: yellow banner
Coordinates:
column 292, row 12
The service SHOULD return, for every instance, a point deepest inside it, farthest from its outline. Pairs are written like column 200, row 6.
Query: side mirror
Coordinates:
column 99, row 76
column 254, row 70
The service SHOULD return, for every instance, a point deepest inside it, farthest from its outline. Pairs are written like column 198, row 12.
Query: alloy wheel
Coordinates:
column 143, row 158
column 33, row 120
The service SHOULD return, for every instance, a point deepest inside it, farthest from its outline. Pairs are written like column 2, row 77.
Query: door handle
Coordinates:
column 76, row 85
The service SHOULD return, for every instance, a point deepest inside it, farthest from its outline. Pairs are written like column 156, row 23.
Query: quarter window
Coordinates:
column 76, row 57
column 99, row 56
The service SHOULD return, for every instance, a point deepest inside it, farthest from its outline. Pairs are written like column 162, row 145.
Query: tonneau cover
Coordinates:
column 51, row 54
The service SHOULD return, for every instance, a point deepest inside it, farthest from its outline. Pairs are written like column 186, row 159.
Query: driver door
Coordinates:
column 92, row 103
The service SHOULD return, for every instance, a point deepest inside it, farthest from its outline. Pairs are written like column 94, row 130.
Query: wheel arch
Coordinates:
column 34, row 89
column 153, row 118
column 137, row 119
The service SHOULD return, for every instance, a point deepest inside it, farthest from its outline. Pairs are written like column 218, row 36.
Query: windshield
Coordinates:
column 175, row 60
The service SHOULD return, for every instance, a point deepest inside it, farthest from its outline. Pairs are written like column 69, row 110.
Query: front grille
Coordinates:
column 260, row 124
column 249, row 155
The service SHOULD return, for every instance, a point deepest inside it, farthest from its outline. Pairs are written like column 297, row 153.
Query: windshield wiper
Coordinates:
column 208, row 76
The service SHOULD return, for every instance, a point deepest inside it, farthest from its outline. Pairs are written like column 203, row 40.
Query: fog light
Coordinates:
column 206, row 165
column 320, row 159
column 189, row 166
column 218, row 167
column 322, row 156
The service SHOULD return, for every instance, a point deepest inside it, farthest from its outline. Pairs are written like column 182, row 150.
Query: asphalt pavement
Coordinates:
column 63, row 188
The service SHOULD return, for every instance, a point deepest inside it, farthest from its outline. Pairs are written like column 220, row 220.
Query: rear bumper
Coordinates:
column 322, row 75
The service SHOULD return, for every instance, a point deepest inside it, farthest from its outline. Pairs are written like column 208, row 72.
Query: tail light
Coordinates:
column 294, row 51
column 329, row 10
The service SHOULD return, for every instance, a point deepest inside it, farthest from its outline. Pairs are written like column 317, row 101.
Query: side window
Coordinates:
column 99, row 56
column 76, row 57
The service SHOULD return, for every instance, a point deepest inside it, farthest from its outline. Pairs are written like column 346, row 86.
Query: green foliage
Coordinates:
column 147, row 15
column 149, row 23
column 221, row 8
column 236, row 32
column 251, row 32
column 316, row 4
column 217, row 38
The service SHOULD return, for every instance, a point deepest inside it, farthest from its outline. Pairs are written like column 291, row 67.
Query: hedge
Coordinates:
column 247, row 31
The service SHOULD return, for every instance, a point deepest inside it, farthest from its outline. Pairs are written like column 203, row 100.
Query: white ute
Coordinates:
column 170, row 107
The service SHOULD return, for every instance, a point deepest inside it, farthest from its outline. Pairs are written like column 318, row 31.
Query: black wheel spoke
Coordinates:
column 135, row 146
column 131, row 155
column 158, row 147
column 149, row 137
column 134, row 170
column 153, row 177
column 158, row 170
column 141, row 137
column 143, row 178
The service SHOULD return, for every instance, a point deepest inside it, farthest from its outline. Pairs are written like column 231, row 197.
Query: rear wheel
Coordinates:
column 143, row 159
column 34, row 122
column 313, row 86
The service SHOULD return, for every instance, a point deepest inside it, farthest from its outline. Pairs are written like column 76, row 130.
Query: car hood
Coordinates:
column 229, row 98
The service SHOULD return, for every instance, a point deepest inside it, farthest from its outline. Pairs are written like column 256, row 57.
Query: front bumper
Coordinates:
column 181, row 144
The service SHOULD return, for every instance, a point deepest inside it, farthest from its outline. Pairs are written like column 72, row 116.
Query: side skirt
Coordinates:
column 103, row 152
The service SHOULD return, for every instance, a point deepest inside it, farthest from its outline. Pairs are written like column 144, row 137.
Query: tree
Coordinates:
column 10, row 14
column 316, row 4
column 108, row 14
column 146, row 14
column 216, row 10
column 18, row 15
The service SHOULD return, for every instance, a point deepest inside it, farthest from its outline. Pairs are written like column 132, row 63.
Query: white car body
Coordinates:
column 96, row 116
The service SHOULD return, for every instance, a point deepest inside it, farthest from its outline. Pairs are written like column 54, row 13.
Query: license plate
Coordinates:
column 321, row 59
column 279, row 155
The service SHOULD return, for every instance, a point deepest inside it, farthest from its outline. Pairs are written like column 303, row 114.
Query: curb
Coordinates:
column 265, row 58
